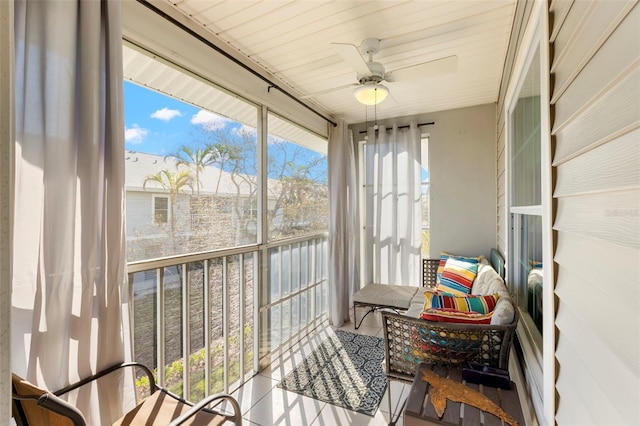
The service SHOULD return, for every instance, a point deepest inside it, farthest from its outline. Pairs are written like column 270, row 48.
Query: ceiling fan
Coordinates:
column 371, row 74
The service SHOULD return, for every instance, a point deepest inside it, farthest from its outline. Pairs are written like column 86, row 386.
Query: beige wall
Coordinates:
column 462, row 146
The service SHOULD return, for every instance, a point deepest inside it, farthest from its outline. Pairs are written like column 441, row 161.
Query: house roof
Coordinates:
column 140, row 165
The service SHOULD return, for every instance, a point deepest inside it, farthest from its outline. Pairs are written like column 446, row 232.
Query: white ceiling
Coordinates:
column 292, row 41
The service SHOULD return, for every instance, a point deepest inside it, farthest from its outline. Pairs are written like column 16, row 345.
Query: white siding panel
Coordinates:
column 583, row 379
column 612, row 217
column 620, row 333
column 615, row 113
column 599, row 20
column 615, row 57
column 560, row 10
column 580, row 11
column 617, row 268
column 613, row 166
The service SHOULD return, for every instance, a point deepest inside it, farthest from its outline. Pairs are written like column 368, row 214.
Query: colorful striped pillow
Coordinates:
column 469, row 303
column 444, row 315
column 444, row 256
column 457, row 277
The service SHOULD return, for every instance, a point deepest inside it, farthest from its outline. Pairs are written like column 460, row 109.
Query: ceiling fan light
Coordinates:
column 371, row 94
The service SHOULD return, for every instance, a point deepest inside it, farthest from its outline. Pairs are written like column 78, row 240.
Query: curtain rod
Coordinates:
column 271, row 84
column 405, row 127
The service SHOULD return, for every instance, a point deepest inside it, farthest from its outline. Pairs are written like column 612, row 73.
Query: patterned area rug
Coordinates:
column 345, row 370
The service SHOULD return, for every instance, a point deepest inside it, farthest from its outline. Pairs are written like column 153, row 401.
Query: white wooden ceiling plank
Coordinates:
column 476, row 24
column 406, row 20
column 477, row 27
column 194, row 8
column 292, row 40
column 268, row 20
column 309, row 28
column 423, row 51
column 243, row 12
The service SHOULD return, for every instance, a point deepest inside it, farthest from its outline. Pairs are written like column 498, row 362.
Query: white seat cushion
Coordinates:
column 396, row 296
column 489, row 282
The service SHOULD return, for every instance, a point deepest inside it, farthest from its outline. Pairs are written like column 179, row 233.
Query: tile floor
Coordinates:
column 263, row 403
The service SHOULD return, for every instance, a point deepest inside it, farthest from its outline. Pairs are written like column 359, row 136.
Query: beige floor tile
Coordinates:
column 333, row 416
column 280, row 407
column 253, row 391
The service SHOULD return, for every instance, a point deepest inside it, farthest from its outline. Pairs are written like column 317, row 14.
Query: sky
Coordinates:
column 159, row 124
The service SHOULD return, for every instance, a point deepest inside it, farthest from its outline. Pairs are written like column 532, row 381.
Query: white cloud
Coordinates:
column 166, row 114
column 209, row 120
column 135, row 134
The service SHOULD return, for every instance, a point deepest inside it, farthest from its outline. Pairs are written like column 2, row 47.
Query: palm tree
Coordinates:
column 196, row 159
column 225, row 152
column 173, row 183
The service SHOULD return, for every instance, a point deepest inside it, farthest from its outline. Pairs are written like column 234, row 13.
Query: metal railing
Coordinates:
column 206, row 322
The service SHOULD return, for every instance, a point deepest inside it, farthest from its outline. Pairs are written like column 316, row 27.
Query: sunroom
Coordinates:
column 250, row 194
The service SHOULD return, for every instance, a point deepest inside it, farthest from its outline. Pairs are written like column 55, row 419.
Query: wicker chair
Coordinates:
column 35, row 406
column 408, row 341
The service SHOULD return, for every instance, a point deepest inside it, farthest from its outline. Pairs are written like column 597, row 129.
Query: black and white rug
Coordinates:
column 345, row 370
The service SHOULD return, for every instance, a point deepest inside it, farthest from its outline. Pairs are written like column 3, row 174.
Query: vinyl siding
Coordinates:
column 595, row 130
column 596, row 162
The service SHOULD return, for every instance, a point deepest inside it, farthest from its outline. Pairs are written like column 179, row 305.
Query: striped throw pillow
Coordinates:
column 444, row 315
column 457, row 277
column 468, row 303
column 444, row 256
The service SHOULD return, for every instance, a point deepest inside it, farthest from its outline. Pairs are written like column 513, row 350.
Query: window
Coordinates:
column 389, row 180
column 425, row 196
column 297, row 173
column 160, row 209
column 526, row 199
column 227, row 203
column 191, row 151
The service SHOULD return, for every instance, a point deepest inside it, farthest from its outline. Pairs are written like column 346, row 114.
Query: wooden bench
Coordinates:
column 420, row 412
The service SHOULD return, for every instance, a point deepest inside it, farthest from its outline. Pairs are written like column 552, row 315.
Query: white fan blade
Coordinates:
column 352, row 56
column 324, row 92
column 426, row 69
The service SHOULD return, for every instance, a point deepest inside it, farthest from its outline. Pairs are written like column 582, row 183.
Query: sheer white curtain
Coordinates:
column 344, row 229
column 69, row 246
column 393, row 210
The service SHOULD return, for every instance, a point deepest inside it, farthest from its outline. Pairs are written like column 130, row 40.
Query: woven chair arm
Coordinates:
column 429, row 272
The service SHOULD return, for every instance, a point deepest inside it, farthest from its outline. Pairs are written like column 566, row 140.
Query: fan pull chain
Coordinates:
column 375, row 109
column 366, row 121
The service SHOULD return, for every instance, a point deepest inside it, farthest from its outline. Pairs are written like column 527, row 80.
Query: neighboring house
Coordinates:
column 221, row 213
column 160, row 223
